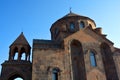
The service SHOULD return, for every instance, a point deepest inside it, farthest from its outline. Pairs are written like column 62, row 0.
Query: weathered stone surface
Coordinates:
column 68, row 54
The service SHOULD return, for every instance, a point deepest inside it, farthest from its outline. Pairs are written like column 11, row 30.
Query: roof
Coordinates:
column 71, row 14
column 20, row 40
column 41, row 41
column 43, row 44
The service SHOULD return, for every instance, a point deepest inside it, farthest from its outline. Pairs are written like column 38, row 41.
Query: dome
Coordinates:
column 69, row 24
column 71, row 14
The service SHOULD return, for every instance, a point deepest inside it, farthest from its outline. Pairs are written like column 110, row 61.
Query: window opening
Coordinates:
column 56, row 31
column 23, row 56
column 15, row 56
column 55, row 74
column 82, row 25
column 72, row 26
column 93, row 59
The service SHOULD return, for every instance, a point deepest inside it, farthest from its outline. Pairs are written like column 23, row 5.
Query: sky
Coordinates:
column 35, row 17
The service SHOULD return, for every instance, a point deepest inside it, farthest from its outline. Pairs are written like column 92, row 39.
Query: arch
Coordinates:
column 15, row 75
column 108, row 62
column 77, row 60
column 19, row 52
column 23, row 50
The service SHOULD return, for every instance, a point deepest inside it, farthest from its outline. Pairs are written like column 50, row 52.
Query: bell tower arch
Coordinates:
column 18, row 64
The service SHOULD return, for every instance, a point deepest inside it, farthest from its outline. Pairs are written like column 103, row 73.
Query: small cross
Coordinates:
column 70, row 10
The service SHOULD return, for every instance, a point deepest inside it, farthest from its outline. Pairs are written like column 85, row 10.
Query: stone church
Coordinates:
column 78, row 50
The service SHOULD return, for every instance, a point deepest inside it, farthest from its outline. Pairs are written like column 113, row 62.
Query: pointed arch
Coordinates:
column 77, row 60
column 109, row 65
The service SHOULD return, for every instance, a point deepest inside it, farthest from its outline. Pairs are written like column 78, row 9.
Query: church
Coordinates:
column 78, row 50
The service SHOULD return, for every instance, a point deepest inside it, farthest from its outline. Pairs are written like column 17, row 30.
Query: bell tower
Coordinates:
column 18, row 64
column 19, row 48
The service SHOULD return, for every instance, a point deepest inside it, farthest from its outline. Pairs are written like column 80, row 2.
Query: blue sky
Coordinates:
column 35, row 17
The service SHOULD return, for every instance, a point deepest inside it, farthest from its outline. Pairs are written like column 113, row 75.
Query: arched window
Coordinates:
column 92, row 59
column 72, row 26
column 81, row 25
column 56, row 31
column 55, row 74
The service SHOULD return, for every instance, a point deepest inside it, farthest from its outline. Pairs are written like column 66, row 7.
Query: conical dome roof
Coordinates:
column 20, row 40
column 71, row 14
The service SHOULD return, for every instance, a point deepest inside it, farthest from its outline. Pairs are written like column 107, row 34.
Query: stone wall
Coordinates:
column 46, row 60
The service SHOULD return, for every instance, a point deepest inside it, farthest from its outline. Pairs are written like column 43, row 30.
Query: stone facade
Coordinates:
column 16, row 66
column 14, row 69
column 78, row 50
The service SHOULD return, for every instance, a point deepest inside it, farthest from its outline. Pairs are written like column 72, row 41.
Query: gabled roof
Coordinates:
column 89, row 36
column 20, row 40
column 103, row 36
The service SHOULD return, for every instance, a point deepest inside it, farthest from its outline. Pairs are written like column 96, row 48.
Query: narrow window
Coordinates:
column 55, row 74
column 56, row 31
column 93, row 59
column 81, row 25
column 72, row 26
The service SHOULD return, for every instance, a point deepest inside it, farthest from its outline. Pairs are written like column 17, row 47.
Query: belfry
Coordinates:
column 18, row 65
